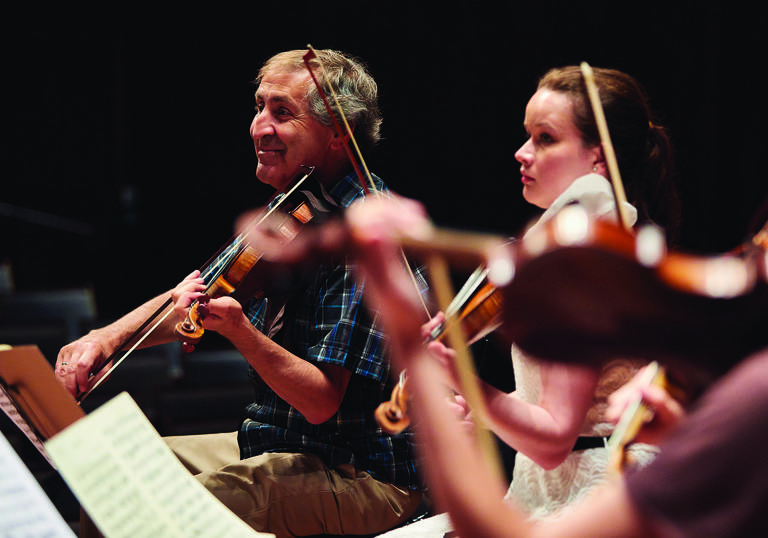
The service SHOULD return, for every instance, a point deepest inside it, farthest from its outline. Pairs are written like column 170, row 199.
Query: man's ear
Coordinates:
column 338, row 142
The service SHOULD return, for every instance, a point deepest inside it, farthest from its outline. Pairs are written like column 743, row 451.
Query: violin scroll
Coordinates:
column 190, row 331
column 392, row 415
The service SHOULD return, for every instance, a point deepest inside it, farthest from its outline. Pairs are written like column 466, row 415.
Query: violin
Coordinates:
column 673, row 271
column 585, row 290
column 236, row 272
column 637, row 413
column 596, row 292
column 477, row 308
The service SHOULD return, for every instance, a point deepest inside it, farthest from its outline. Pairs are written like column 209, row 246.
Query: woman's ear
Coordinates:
column 599, row 166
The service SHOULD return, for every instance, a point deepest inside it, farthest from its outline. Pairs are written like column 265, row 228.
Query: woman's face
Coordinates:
column 554, row 154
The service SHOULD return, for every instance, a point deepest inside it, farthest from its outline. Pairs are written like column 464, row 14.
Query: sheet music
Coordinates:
column 131, row 484
column 25, row 509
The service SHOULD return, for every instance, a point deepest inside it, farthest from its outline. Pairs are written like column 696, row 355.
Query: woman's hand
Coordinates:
column 666, row 411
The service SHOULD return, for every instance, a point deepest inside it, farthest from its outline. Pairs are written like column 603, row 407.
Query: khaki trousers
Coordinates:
column 293, row 494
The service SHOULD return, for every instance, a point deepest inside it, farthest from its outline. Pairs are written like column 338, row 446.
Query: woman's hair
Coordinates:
column 643, row 147
column 355, row 89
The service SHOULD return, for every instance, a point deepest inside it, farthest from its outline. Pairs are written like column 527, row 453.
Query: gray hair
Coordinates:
column 354, row 87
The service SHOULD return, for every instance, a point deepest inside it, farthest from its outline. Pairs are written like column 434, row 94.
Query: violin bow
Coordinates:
column 348, row 136
column 346, row 133
column 438, row 272
column 619, row 195
column 394, row 407
column 470, row 384
column 633, row 417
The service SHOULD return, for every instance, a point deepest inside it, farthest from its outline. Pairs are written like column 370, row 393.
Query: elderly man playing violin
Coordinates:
column 309, row 458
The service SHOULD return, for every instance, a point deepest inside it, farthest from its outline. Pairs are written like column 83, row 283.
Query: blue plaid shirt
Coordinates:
column 328, row 323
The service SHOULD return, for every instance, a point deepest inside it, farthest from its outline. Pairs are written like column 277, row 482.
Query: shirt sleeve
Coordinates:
column 341, row 330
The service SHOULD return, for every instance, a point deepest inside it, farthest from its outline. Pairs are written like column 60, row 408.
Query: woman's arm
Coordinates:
column 461, row 480
column 545, row 431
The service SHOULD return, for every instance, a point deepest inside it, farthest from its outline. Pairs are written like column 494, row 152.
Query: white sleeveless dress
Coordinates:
column 534, row 489
column 542, row 492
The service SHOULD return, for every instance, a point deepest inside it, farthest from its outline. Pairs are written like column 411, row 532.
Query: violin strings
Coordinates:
column 467, row 290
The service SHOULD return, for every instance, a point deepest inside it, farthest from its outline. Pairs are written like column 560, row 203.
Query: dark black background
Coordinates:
column 126, row 153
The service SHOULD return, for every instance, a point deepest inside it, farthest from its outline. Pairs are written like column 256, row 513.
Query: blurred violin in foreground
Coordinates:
column 584, row 290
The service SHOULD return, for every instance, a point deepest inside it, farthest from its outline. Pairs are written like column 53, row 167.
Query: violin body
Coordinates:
column 479, row 316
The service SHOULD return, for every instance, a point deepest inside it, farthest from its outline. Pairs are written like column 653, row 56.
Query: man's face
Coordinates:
column 285, row 135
